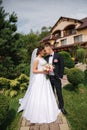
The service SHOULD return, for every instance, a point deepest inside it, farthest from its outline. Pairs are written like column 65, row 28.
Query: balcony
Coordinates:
column 70, row 30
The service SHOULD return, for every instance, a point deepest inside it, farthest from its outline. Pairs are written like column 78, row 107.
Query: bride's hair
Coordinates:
column 40, row 48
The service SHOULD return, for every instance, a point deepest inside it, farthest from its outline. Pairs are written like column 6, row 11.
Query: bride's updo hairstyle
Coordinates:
column 40, row 48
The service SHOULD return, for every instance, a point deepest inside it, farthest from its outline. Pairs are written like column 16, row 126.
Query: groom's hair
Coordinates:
column 47, row 44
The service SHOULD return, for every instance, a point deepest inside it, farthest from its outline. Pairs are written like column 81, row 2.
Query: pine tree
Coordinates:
column 8, row 49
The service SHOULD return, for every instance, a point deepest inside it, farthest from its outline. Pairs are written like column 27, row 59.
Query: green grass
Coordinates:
column 76, row 106
column 13, row 120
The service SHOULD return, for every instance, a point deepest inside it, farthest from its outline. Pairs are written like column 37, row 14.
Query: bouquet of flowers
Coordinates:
column 48, row 68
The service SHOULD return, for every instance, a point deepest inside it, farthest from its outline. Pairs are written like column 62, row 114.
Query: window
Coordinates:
column 78, row 38
column 64, row 41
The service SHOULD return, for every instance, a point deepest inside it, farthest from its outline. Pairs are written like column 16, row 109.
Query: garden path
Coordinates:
column 60, row 124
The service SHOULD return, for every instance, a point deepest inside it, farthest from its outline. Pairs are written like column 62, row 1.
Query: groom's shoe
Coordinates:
column 63, row 111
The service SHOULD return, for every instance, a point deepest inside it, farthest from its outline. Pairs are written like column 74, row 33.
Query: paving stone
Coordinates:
column 28, row 123
column 24, row 128
column 64, row 127
column 23, row 122
column 34, row 127
column 64, row 81
column 64, row 120
column 54, row 126
column 59, row 120
column 44, row 127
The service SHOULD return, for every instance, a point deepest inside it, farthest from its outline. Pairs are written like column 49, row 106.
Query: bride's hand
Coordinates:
column 45, row 72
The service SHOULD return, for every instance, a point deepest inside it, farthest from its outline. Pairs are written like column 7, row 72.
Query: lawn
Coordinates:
column 76, row 106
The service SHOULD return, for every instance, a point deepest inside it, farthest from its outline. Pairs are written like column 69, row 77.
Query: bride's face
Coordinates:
column 42, row 53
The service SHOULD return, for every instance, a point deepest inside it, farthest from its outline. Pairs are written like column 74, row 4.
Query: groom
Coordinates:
column 55, row 77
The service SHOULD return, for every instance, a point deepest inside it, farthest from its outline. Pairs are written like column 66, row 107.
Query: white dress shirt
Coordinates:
column 50, row 62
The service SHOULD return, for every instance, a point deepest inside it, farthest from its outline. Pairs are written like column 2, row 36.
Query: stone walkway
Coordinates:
column 60, row 124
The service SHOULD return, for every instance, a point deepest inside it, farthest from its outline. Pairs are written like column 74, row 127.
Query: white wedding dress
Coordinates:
column 39, row 104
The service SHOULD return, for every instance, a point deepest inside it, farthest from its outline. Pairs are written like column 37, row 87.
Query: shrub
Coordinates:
column 7, row 92
column 68, row 62
column 23, row 86
column 13, row 93
column 4, row 108
column 4, row 83
column 81, row 85
column 80, row 55
column 22, row 68
column 7, row 68
column 75, row 76
column 66, row 70
column 14, row 84
column 85, row 72
column 23, row 78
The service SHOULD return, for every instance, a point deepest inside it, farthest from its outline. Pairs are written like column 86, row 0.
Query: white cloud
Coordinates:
column 33, row 14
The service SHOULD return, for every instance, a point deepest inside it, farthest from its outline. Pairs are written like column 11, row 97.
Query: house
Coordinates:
column 68, row 32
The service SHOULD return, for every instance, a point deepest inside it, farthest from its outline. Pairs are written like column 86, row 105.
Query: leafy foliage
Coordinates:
column 13, row 87
column 4, row 83
column 80, row 55
column 75, row 76
column 85, row 72
column 15, row 48
column 13, row 93
column 23, row 78
column 4, row 108
column 68, row 62
column 8, row 52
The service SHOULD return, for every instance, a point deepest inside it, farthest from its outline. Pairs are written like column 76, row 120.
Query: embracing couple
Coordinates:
column 39, row 103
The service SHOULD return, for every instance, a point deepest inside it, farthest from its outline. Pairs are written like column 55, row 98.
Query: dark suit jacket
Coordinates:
column 58, row 64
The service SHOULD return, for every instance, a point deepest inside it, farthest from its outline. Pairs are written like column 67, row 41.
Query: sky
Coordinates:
column 34, row 14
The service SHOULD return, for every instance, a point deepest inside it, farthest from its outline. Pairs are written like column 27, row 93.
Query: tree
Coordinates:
column 8, row 49
column 81, row 55
column 45, row 31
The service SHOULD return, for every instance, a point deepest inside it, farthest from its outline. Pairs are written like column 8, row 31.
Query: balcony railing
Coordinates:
column 69, row 32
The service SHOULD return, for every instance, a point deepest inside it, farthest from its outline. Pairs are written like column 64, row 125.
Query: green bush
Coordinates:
column 68, row 62
column 81, row 85
column 4, row 83
column 7, row 92
column 22, row 68
column 7, row 68
column 66, row 70
column 13, row 93
column 80, row 55
column 85, row 72
column 4, row 108
column 23, row 78
column 23, row 86
column 75, row 76
column 14, row 84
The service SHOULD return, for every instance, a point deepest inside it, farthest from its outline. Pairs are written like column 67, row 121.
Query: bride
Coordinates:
column 39, row 103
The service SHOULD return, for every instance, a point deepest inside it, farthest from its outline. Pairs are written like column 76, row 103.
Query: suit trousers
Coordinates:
column 56, row 83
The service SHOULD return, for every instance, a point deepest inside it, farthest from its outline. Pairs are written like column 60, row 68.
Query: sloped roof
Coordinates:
column 67, row 19
column 49, row 37
column 84, row 24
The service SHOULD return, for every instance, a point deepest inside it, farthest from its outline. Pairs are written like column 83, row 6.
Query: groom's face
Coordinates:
column 47, row 50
